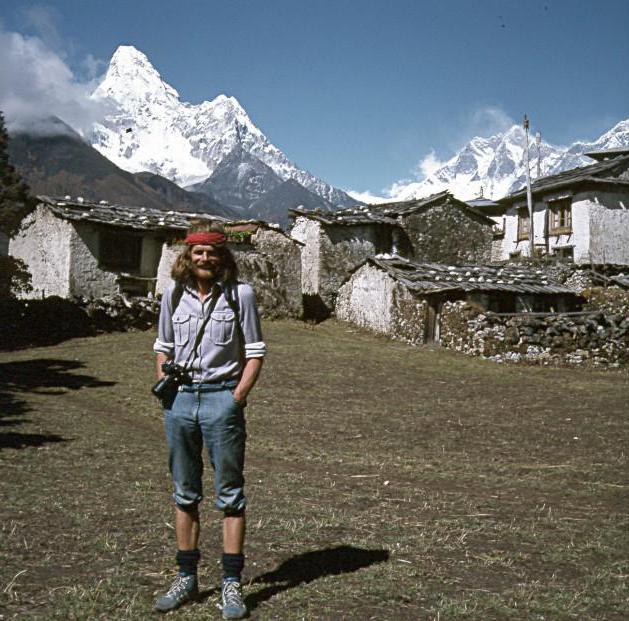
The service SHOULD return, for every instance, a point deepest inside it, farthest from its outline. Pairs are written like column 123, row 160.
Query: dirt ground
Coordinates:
column 384, row 482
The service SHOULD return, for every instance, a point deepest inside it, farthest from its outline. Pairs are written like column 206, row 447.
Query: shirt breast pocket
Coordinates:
column 222, row 327
column 181, row 327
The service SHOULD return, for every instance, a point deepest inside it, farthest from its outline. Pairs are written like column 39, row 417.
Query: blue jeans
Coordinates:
column 207, row 413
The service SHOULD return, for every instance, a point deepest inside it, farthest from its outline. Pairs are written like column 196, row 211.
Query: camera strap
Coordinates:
column 216, row 292
column 233, row 304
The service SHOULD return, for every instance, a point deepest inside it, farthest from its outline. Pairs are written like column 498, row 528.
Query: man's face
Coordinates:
column 205, row 262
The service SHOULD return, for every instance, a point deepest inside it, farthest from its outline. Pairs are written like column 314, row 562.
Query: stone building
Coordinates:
column 439, row 228
column 580, row 215
column 405, row 299
column 94, row 250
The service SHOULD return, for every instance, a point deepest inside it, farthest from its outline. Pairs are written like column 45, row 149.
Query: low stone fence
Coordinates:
column 597, row 338
column 31, row 323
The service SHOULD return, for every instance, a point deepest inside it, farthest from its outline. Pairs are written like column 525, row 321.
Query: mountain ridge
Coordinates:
column 494, row 167
column 55, row 160
column 154, row 130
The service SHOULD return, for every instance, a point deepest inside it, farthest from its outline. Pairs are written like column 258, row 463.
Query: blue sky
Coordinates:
column 360, row 91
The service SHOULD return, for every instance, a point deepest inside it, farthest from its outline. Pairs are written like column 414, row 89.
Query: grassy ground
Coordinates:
column 385, row 482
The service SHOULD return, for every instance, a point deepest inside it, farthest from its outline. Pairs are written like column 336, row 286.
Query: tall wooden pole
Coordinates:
column 529, row 197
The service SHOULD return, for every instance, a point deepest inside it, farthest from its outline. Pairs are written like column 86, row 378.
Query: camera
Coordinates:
column 174, row 376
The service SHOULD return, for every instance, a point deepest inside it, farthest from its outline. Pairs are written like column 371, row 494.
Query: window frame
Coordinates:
column 560, row 216
column 523, row 217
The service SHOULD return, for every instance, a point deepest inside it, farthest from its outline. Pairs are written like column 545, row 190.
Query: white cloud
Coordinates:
column 43, row 21
column 428, row 165
column 93, row 67
column 36, row 83
column 488, row 121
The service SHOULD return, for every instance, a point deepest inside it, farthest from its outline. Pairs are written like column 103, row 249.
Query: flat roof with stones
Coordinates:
column 437, row 278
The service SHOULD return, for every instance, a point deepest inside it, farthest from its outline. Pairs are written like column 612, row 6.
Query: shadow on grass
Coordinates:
column 44, row 376
column 305, row 568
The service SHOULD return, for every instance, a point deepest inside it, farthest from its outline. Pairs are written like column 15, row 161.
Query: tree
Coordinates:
column 15, row 202
column 15, row 279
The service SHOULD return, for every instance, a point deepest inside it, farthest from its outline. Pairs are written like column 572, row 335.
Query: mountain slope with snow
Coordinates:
column 496, row 164
column 153, row 130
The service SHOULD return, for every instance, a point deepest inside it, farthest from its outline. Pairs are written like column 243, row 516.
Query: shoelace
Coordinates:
column 178, row 587
column 232, row 595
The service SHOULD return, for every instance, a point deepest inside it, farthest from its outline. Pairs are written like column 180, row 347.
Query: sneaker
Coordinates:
column 233, row 604
column 183, row 589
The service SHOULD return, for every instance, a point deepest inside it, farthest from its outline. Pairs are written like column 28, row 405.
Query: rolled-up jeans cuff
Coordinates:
column 192, row 507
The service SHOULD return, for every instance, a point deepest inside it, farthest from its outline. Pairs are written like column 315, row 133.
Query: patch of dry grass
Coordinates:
column 384, row 481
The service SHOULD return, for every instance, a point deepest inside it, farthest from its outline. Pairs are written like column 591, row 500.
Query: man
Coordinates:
column 222, row 365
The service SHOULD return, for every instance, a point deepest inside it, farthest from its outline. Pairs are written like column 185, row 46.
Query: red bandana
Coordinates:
column 209, row 238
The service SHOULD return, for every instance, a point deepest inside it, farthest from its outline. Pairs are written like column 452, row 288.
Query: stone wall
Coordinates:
column 596, row 338
column 272, row 265
column 343, row 248
column 610, row 300
column 408, row 316
column 373, row 300
column 269, row 261
column 446, row 234
column 33, row 323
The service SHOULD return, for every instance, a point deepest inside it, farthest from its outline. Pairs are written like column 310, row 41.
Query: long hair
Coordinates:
column 227, row 270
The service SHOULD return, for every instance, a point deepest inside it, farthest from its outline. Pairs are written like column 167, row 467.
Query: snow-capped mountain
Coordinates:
column 497, row 165
column 153, row 130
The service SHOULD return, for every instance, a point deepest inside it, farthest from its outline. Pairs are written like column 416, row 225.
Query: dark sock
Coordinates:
column 232, row 566
column 187, row 560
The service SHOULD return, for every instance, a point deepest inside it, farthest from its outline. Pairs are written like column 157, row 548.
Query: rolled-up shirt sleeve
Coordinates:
column 165, row 341
column 250, row 323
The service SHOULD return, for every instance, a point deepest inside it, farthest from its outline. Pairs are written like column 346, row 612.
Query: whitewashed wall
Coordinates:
column 308, row 233
column 373, row 300
column 43, row 243
column 609, row 229
column 86, row 277
column 366, row 299
column 167, row 258
column 600, row 228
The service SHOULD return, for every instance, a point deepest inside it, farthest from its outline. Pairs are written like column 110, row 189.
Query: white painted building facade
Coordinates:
column 581, row 215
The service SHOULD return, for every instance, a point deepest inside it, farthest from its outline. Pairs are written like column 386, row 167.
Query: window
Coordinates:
column 560, row 216
column 523, row 223
column 566, row 253
column 120, row 251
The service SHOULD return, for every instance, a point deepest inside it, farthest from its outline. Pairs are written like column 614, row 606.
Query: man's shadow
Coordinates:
column 310, row 566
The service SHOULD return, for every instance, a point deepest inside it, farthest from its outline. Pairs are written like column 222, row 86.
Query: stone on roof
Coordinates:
column 142, row 218
column 387, row 213
column 438, row 278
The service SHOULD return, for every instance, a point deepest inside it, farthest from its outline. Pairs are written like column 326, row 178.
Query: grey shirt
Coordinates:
column 218, row 354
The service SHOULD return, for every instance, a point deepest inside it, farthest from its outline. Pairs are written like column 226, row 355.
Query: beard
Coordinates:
column 206, row 272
